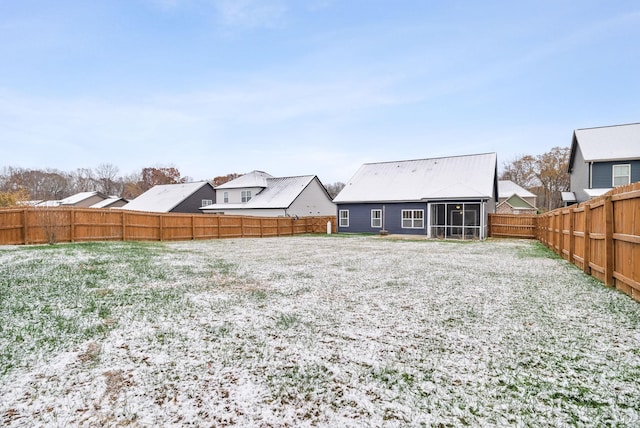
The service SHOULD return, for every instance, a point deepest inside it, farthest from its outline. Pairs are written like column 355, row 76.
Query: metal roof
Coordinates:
column 249, row 180
column 507, row 188
column 105, row 203
column 457, row 177
column 616, row 142
column 278, row 193
column 163, row 198
column 79, row 197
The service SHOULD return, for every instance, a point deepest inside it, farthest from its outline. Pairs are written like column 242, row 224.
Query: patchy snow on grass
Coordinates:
column 308, row 331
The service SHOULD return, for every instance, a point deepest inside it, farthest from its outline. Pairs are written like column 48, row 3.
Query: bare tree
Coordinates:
column 551, row 171
column 84, row 180
column 521, row 170
column 106, row 176
column 334, row 188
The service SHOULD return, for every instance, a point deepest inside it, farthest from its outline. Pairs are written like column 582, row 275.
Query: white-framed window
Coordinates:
column 413, row 219
column 344, row 218
column 246, row 196
column 621, row 175
column 376, row 218
column 225, row 197
column 206, row 202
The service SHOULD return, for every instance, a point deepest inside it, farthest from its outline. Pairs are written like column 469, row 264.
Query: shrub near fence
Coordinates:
column 48, row 225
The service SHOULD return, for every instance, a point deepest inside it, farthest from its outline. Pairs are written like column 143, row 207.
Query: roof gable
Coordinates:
column 506, row 188
column 79, row 197
column 278, row 192
column 515, row 201
column 470, row 176
column 250, row 180
column 618, row 142
column 164, row 197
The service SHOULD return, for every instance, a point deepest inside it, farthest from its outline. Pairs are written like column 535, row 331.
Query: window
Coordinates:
column 246, row 196
column 225, row 197
column 206, row 202
column 344, row 218
column 376, row 218
column 413, row 219
column 621, row 175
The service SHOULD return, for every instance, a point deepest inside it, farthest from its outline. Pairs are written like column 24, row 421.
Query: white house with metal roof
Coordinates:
column 260, row 194
column 602, row 158
column 447, row 197
column 175, row 198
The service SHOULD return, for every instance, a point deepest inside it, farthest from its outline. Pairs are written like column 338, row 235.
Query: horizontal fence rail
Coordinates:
column 50, row 225
column 600, row 236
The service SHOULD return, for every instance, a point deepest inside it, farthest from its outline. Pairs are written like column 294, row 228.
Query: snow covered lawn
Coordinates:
column 312, row 331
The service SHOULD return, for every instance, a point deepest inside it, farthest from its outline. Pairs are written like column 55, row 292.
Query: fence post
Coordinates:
column 608, row 244
column 25, row 225
column 124, row 227
column 560, row 234
column 572, row 239
column 193, row 227
column 161, row 223
column 587, row 239
column 72, row 224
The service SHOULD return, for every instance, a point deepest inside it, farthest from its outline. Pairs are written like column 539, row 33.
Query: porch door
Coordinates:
column 456, row 222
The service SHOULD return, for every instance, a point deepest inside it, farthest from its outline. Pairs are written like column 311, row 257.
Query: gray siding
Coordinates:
column 603, row 173
column 193, row 203
column 579, row 178
column 360, row 217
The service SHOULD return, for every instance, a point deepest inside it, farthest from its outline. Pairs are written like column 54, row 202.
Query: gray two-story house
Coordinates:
column 601, row 159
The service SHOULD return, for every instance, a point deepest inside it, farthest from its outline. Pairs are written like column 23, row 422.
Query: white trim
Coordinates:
column 340, row 218
column 379, row 218
column 613, row 174
column 412, row 219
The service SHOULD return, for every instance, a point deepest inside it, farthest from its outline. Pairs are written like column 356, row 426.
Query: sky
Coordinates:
column 307, row 87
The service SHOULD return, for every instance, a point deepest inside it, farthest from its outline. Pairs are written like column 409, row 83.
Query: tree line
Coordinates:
column 545, row 175
column 22, row 184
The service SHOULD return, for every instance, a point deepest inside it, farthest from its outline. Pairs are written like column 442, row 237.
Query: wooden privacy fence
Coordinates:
column 601, row 236
column 49, row 225
column 512, row 225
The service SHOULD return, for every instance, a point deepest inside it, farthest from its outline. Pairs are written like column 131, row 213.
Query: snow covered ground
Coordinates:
column 312, row 331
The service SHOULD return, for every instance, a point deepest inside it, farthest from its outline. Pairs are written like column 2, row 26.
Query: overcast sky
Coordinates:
column 297, row 87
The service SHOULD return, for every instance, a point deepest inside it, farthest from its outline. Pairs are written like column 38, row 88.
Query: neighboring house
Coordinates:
column 83, row 199
column 447, row 197
column 601, row 159
column 514, row 199
column 174, row 198
column 111, row 202
column 259, row 194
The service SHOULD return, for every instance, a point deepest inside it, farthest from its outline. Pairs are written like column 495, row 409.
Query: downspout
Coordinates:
column 590, row 175
column 383, row 216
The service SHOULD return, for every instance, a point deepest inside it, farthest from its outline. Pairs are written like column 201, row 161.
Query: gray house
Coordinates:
column 601, row 159
column 174, row 198
column 447, row 197
column 260, row 194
